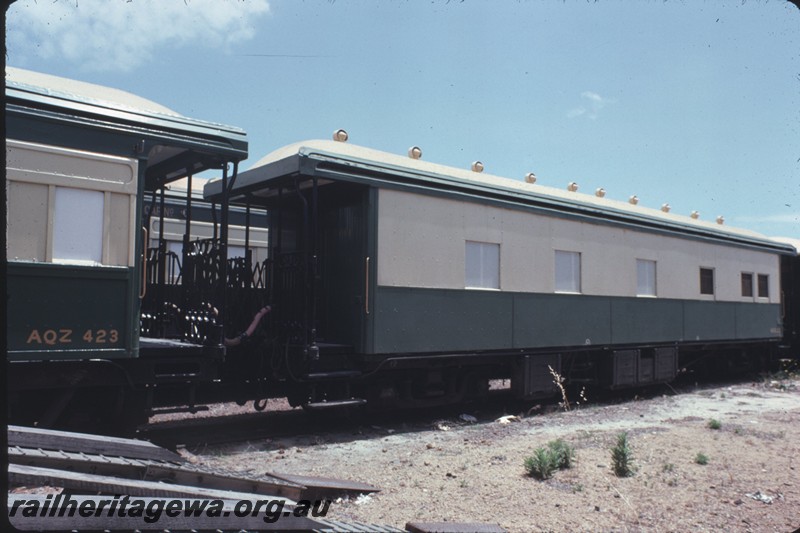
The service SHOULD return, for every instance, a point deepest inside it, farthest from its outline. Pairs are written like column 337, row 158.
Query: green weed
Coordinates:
column 701, row 458
column 622, row 457
column 557, row 455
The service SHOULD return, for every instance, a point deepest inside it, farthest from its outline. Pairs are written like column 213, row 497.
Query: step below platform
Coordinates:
column 320, row 406
column 338, row 374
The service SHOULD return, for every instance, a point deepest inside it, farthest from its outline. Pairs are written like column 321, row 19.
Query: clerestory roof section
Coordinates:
column 94, row 107
column 74, row 91
column 331, row 160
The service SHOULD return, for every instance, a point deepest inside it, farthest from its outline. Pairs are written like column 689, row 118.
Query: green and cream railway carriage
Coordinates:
column 431, row 279
column 81, row 163
column 390, row 279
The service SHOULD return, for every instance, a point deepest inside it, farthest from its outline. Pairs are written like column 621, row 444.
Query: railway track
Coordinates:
column 231, row 423
column 240, row 427
column 351, row 424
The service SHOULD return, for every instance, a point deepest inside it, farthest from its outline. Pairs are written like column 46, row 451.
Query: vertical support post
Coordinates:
column 227, row 186
column 188, row 229
column 276, row 289
column 248, row 254
column 280, row 219
column 314, row 257
column 162, row 243
column 306, row 270
column 247, row 224
column 223, row 256
column 187, row 270
column 161, row 262
column 214, row 223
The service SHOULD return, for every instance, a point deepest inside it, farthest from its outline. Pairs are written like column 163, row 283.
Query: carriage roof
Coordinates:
column 96, row 107
column 79, row 95
column 793, row 242
column 347, row 162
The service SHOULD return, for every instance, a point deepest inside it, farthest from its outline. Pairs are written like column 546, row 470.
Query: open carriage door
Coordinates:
column 320, row 269
column 320, row 282
column 345, row 266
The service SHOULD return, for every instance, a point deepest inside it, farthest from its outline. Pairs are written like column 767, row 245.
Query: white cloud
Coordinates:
column 576, row 112
column 594, row 97
column 122, row 35
column 592, row 107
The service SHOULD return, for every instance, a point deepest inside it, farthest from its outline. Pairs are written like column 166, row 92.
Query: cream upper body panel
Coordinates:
column 428, row 212
column 70, row 206
column 421, row 243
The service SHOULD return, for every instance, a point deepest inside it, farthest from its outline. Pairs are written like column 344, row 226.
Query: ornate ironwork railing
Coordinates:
column 182, row 297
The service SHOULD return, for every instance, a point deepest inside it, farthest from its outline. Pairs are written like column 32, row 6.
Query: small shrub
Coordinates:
column 622, row 457
column 541, row 464
column 668, row 467
column 701, row 458
column 563, row 453
column 557, row 455
column 714, row 423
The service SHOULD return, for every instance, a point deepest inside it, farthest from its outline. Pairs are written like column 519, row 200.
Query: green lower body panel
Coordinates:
column 635, row 319
column 754, row 321
column 415, row 320
column 430, row 320
column 69, row 312
column 560, row 320
column 709, row 320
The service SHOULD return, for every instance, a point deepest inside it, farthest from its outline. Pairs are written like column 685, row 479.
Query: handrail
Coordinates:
column 143, row 288
column 366, row 287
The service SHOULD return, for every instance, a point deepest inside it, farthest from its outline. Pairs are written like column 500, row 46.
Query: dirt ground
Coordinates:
column 472, row 471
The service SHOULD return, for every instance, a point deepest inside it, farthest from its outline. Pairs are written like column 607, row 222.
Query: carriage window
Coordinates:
column 568, row 271
column 763, row 286
column 747, row 284
column 645, row 277
column 482, row 266
column 78, row 225
column 706, row 280
column 235, row 251
column 176, row 247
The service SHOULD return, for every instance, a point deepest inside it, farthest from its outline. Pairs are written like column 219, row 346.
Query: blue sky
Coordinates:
column 694, row 103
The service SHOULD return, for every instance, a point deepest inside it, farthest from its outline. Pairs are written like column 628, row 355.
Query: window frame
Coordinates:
column 762, row 294
column 576, row 282
column 709, row 270
column 750, row 287
column 654, row 264
column 79, row 220
column 483, row 275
